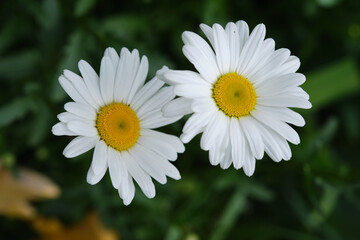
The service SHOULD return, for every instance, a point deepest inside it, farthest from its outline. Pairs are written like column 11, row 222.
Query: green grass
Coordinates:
column 315, row 195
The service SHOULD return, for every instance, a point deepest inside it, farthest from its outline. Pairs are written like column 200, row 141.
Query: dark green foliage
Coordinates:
column 316, row 195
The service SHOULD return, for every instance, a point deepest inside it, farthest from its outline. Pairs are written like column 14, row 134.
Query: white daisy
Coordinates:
column 116, row 114
column 240, row 96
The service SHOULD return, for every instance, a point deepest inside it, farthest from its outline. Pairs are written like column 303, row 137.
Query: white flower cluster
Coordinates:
column 239, row 99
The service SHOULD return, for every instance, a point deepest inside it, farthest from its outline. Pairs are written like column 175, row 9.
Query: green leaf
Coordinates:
column 19, row 64
column 331, row 83
column 325, row 134
column 36, row 11
column 259, row 192
column 72, row 53
column 327, row 3
column 233, row 209
column 329, row 199
column 174, row 233
column 83, row 6
column 125, row 27
column 215, row 11
column 351, row 119
column 8, row 34
column 14, row 110
column 40, row 126
column 51, row 10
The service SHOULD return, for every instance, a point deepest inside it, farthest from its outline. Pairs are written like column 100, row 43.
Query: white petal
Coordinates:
column 205, row 67
column 70, row 89
column 122, row 75
column 234, row 45
column 107, row 78
column 253, row 136
column 192, row 90
column 284, row 101
column 146, row 92
column 93, row 178
column 248, row 158
column 194, row 125
column 139, row 79
column 112, row 54
column 157, row 101
column 222, row 50
column 203, row 104
column 60, row 129
column 91, row 80
column 251, row 48
column 100, row 157
column 81, row 110
column 284, row 114
column 82, row 128
column 155, row 120
column 177, row 107
column 148, row 161
column 297, row 92
column 284, row 145
column 217, row 152
column 67, row 117
column 211, row 132
column 175, row 77
column 204, row 51
column 188, row 136
column 125, row 74
column 117, row 169
column 237, row 143
column 271, row 144
column 243, row 30
column 274, row 61
column 127, row 190
column 279, row 84
column 278, row 126
column 142, row 178
column 208, row 31
column 165, row 139
column 226, row 161
column 80, row 145
column 290, row 66
column 216, row 155
column 249, row 166
column 165, row 150
column 197, row 120
column 170, row 170
column 267, row 50
column 279, row 143
column 82, row 89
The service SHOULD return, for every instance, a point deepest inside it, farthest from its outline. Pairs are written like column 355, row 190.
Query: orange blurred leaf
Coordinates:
column 17, row 190
column 89, row 229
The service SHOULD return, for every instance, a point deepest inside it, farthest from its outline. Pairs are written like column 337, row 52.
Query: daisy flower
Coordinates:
column 240, row 96
column 115, row 114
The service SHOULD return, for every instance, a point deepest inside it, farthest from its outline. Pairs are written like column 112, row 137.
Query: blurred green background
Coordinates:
column 316, row 195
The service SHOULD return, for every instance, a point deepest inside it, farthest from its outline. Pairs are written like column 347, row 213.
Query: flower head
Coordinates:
column 115, row 114
column 240, row 96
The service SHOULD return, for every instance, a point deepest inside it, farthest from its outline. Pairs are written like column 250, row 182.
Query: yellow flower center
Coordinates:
column 118, row 126
column 234, row 95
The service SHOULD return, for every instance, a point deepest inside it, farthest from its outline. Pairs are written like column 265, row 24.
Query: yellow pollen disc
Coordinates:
column 234, row 95
column 118, row 126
